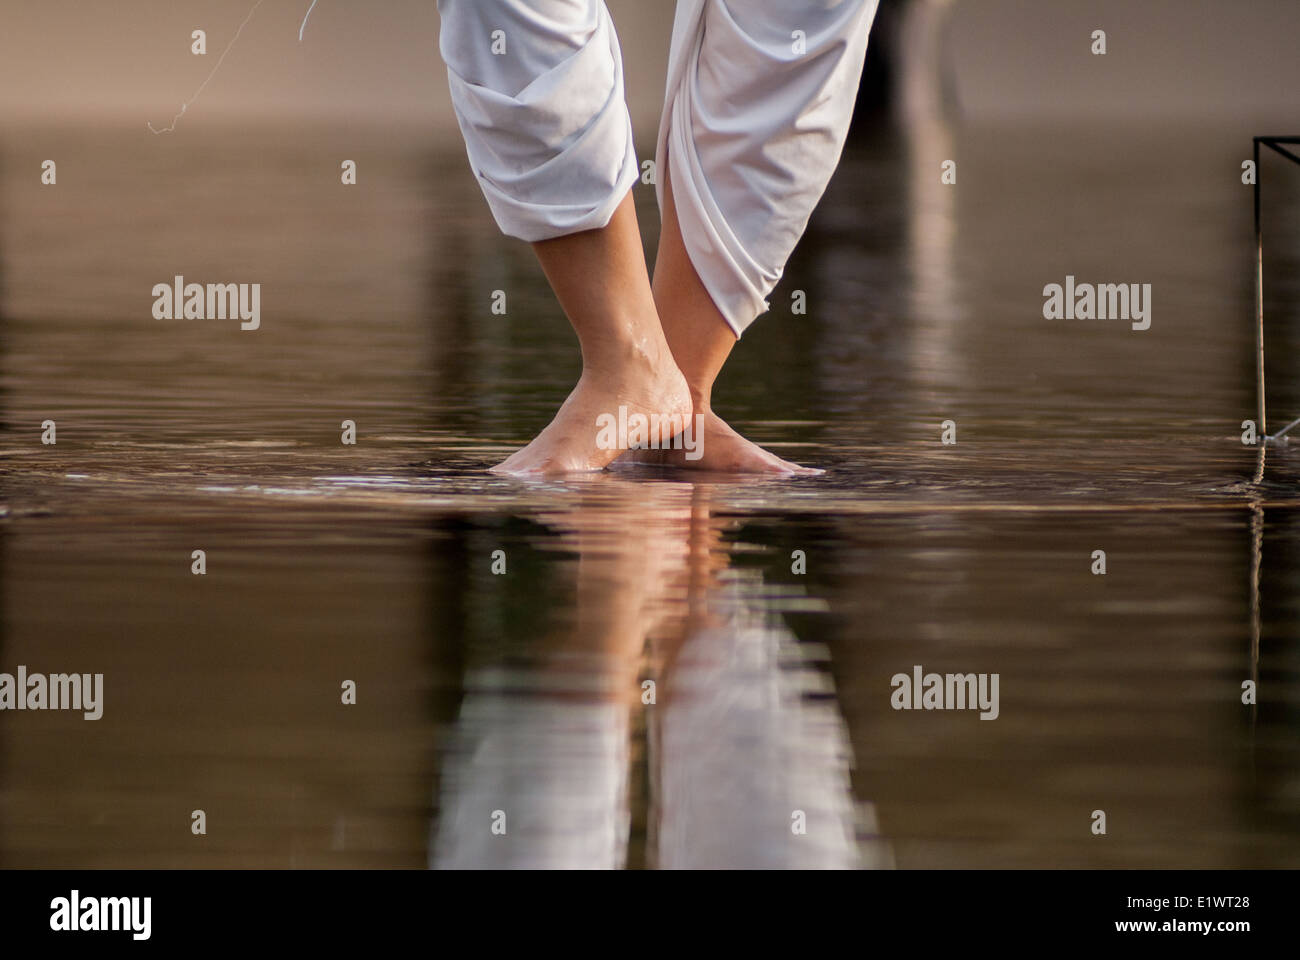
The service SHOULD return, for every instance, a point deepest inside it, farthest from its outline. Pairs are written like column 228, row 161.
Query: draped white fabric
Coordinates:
column 545, row 122
column 757, row 106
column 758, row 103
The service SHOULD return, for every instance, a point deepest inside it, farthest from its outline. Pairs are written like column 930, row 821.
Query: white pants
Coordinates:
column 758, row 102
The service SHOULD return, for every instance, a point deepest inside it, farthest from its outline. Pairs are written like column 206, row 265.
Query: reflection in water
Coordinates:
column 926, row 121
column 538, row 779
column 746, row 754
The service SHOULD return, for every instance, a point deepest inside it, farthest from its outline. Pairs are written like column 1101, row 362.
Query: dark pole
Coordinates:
column 1261, row 431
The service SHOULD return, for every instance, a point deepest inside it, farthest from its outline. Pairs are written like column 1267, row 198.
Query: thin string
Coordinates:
column 304, row 20
column 186, row 105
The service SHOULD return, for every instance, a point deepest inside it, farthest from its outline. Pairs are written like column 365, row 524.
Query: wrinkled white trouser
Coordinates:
column 758, row 102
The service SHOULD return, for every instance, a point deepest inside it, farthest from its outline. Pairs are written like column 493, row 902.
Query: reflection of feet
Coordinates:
column 724, row 451
column 642, row 383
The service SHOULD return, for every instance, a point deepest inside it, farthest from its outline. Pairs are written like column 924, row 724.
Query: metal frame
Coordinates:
column 1275, row 144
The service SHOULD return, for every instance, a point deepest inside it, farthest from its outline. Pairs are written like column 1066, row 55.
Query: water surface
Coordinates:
column 769, row 615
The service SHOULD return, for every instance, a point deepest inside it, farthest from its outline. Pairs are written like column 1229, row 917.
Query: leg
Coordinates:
column 701, row 340
column 759, row 100
column 600, row 279
column 538, row 92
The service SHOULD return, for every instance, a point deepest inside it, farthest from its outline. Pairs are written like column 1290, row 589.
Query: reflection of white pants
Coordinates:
column 748, row 765
column 758, row 103
column 533, row 782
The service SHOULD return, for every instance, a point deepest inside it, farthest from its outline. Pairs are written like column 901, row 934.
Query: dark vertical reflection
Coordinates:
column 7, row 431
column 472, row 349
column 909, row 62
column 1279, row 182
column 1275, row 530
column 1269, row 798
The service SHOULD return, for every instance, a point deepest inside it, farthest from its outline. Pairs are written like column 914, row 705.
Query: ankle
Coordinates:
column 624, row 347
column 701, row 397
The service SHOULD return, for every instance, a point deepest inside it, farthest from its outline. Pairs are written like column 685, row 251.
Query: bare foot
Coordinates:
column 642, row 380
column 723, row 450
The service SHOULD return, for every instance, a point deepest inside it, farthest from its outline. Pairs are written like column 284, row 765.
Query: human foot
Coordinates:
column 722, row 450
column 640, row 380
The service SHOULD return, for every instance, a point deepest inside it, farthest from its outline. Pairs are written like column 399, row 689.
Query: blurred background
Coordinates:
column 520, row 689
column 119, row 62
